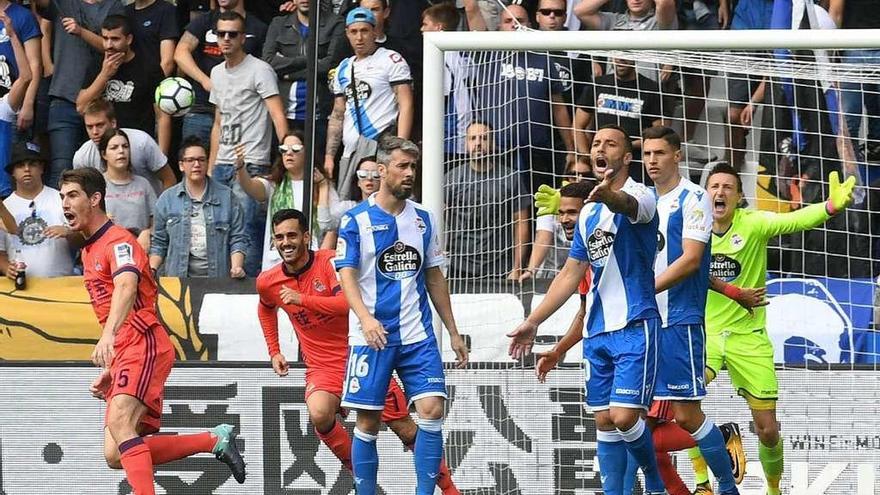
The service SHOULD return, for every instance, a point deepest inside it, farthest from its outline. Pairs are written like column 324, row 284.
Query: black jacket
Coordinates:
column 285, row 51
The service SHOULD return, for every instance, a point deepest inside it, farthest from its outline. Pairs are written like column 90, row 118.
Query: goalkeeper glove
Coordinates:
column 839, row 195
column 547, row 200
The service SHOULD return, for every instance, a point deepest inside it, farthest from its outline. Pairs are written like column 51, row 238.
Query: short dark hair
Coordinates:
column 368, row 158
column 90, row 179
column 445, row 14
column 627, row 141
column 662, row 132
column 231, row 15
column 289, row 214
column 105, row 141
column 117, row 21
column 188, row 142
column 580, row 190
column 100, row 105
column 726, row 168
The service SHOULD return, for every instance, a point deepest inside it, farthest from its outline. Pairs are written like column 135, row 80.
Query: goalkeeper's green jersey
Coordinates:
column 740, row 258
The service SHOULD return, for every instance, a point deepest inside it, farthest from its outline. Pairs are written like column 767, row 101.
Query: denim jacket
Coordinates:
column 224, row 222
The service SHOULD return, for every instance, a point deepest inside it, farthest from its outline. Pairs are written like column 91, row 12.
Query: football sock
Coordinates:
column 670, row 437
column 711, row 443
column 673, row 482
column 638, row 443
column 135, row 458
column 630, row 474
column 338, row 441
column 428, row 454
column 365, row 462
column 611, row 452
column 167, row 448
column 772, row 462
column 701, row 470
column 444, row 481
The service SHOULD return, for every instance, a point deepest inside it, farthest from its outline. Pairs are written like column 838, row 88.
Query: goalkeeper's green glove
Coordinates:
column 547, row 200
column 839, row 195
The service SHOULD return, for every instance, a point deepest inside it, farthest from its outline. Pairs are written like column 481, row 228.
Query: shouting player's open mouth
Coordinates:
column 70, row 216
column 599, row 165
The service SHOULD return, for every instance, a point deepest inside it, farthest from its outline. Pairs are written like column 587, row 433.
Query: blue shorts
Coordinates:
column 620, row 366
column 419, row 368
column 682, row 363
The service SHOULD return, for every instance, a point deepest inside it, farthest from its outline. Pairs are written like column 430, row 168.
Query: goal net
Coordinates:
column 507, row 112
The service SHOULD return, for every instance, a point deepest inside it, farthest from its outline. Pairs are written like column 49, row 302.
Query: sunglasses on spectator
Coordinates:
column 288, row 148
column 368, row 174
column 231, row 35
column 548, row 12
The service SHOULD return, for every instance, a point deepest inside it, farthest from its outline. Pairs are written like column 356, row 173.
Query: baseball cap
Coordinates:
column 360, row 14
column 23, row 152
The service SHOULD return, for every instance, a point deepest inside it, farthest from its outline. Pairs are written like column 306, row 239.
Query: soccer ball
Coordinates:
column 175, row 96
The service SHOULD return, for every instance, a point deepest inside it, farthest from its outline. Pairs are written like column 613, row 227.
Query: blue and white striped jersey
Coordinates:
column 685, row 213
column 391, row 254
column 376, row 108
column 621, row 252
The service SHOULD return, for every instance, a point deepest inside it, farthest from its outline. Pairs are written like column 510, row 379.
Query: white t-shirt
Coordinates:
column 376, row 107
column 244, row 119
column 44, row 257
column 146, row 156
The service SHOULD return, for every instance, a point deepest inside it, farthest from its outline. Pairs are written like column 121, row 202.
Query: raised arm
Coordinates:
column 334, row 134
column 18, row 91
column 588, row 12
column 187, row 64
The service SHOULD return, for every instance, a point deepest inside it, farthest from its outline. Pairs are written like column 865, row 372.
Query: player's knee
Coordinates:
column 405, row 429
column 624, row 418
column 430, row 407
column 603, row 420
column 368, row 421
column 322, row 418
column 767, row 431
column 689, row 418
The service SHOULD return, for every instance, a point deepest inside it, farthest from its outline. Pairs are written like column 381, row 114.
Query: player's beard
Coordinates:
column 400, row 193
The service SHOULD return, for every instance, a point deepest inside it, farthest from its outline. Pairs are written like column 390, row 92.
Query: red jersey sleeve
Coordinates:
column 267, row 312
column 584, row 286
column 121, row 255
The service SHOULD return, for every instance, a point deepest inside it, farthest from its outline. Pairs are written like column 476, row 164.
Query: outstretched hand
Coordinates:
column 547, row 200
column 840, row 195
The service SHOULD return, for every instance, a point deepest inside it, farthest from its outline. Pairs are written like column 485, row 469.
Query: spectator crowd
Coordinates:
column 77, row 79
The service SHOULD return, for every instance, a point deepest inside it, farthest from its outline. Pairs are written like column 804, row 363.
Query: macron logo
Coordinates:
column 432, row 475
column 357, row 481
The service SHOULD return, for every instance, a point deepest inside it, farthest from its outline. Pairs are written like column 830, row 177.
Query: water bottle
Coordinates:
column 20, row 276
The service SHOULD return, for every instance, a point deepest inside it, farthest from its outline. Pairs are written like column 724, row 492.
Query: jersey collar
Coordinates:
column 302, row 270
column 94, row 237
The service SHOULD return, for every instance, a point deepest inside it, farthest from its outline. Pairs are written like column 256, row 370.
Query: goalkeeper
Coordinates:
column 737, row 337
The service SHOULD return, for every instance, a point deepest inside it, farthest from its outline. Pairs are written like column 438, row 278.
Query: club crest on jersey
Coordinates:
column 736, row 241
column 318, row 285
column 724, row 267
column 363, row 91
column 399, row 261
column 599, row 246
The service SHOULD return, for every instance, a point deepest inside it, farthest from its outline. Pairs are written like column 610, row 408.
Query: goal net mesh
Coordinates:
column 517, row 119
